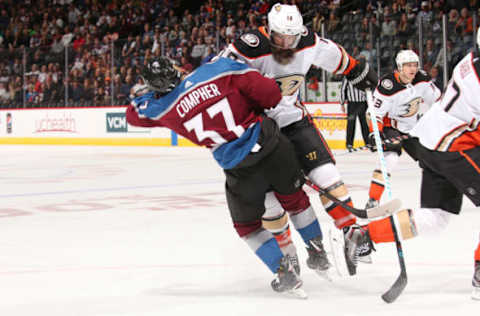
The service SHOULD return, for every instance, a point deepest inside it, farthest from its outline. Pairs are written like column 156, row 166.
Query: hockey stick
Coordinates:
column 386, row 209
column 401, row 282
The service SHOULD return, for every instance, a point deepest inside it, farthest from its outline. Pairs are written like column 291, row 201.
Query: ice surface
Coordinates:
column 146, row 231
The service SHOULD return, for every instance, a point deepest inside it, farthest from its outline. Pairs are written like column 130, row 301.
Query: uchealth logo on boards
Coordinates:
column 57, row 123
column 116, row 123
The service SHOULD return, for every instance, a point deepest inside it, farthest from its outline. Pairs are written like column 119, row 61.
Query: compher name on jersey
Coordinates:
column 198, row 95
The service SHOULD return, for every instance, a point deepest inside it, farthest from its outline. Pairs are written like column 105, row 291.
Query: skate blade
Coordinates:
column 476, row 293
column 365, row 259
column 337, row 242
column 325, row 274
column 297, row 293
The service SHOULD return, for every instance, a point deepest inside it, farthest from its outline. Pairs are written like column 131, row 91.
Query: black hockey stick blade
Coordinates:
column 385, row 209
column 397, row 288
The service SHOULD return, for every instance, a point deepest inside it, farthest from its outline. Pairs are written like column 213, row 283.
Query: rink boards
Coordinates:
column 108, row 126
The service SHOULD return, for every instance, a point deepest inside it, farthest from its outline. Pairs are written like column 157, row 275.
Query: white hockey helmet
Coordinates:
column 285, row 20
column 406, row 56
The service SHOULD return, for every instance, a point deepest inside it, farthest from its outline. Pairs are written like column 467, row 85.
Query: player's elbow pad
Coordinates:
column 362, row 76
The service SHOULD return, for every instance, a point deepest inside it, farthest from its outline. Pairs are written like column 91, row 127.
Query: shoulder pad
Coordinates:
column 421, row 75
column 253, row 44
column 307, row 39
column 388, row 85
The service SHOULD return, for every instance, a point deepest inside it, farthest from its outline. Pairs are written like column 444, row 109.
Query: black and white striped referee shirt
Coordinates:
column 351, row 94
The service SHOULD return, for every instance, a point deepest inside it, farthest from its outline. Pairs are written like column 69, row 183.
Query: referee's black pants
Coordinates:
column 355, row 109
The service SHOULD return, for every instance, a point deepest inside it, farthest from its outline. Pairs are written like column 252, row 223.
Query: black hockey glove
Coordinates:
column 362, row 76
column 388, row 145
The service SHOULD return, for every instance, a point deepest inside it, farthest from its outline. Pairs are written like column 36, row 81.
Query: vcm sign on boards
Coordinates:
column 116, row 123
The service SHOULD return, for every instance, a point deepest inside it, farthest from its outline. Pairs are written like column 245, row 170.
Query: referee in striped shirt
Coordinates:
column 356, row 106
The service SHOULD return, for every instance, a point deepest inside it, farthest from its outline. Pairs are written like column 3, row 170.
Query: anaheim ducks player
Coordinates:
column 448, row 149
column 285, row 51
column 400, row 99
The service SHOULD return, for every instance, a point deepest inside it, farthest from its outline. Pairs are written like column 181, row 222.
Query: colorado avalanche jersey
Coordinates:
column 403, row 105
column 216, row 106
column 254, row 48
column 453, row 123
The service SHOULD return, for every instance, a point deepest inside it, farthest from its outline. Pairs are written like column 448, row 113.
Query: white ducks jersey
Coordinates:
column 453, row 123
column 403, row 105
column 254, row 49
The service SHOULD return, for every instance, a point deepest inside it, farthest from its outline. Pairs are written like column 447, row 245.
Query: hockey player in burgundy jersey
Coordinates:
column 219, row 106
column 447, row 144
column 285, row 51
column 400, row 99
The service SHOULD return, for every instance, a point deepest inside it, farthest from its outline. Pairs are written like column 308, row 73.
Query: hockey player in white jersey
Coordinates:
column 447, row 144
column 400, row 99
column 286, row 50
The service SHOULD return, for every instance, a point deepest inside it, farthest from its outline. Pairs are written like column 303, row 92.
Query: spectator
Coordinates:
column 369, row 53
column 198, row 51
column 405, row 28
column 89, row 92
column 4, row 93
column 186, row 65
column 389, row 28
column 452, row 24
column 332, row 23
column 77, row 92
column 437, row 78
column 431, row 52
column 209, row 54
column 464, row 26
column 440, row 60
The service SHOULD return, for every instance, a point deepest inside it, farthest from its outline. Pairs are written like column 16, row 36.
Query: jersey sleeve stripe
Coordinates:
column 449, row 137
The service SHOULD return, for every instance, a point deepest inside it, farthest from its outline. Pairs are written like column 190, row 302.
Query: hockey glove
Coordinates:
column 141, row 103
column 388, row 145
column 362, row 76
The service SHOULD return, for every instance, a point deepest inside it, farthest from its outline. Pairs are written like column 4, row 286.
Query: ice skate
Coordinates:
column 287, row 281
column 353, row 240
column 317, row 258
column 295, row 263
column 476, row 282
column 371, row 203
column 364, row 250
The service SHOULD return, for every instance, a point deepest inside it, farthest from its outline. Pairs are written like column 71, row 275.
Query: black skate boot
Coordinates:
column 476, row 281
column 317, row 256
column 287, row 281
column 354, row 238
column 365, row 248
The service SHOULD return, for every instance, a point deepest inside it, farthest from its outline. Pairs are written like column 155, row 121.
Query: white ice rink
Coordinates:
column 146, row 231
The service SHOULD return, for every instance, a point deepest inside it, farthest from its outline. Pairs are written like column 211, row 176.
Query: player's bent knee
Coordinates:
column 273, row 208
column 277, row 223
column 338, row 190
column 294, row 203
column 245, row 229
column 325, row 175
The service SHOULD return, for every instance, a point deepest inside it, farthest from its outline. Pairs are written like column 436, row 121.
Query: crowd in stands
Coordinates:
column 91, row 52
